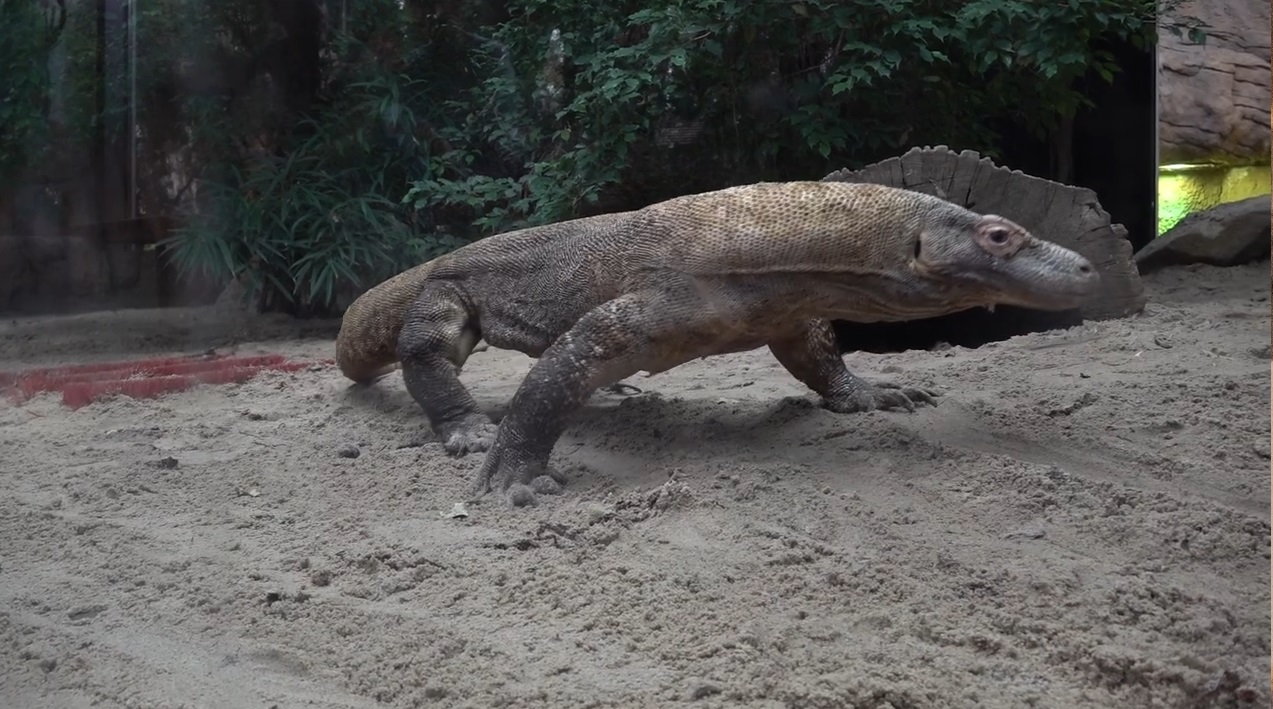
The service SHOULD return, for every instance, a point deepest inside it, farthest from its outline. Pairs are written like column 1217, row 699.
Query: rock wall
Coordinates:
column 1214, row 98
column 1185, row 192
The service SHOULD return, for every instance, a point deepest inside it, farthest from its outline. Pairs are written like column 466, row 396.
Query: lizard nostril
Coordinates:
column 1085, row 268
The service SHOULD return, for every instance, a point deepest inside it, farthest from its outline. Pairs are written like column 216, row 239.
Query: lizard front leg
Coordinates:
column 811, row 355
column 613, row 341
column 438, row 335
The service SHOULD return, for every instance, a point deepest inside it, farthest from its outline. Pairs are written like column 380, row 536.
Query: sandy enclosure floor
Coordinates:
column 1082, row 522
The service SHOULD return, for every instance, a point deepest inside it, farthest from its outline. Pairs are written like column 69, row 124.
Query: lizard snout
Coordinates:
column 1051, row 276
column 1085, row 274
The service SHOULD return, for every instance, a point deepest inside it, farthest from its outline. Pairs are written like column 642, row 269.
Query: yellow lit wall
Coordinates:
column 1185, row 189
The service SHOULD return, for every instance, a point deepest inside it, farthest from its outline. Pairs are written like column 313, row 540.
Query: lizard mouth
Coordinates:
column 1043, row 294
column 1041, row 275
column 1048, row 276
column 1046, row 283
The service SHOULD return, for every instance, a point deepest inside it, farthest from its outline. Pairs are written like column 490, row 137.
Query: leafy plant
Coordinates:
column 27, row 36
column 770, row 89
column 300, row 225
column 313, row 154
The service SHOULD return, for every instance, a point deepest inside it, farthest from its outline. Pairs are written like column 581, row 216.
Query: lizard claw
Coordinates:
column 521, row 480
column 468, row 437
column 889, row 395
column 622, row 389
column 525, row 495
column 885, row 396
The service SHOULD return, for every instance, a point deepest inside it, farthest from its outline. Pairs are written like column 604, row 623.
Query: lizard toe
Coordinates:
column 856, row 402
column 904, row 398
column 519, row 479
column 891, row 395
column 623, row 389
column 527, row 495
column 885, row 396
column 473, row 438
column 522, row 496
column 921, row 396
column 892, row 399
column 547, row 485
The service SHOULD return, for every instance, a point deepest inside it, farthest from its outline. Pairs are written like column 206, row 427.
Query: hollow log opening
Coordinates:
column 970, row 328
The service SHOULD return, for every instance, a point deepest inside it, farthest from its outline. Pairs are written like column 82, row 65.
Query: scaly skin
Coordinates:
column 599, row 299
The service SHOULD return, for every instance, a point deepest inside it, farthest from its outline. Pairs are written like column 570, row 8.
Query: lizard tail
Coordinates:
column 367, row 345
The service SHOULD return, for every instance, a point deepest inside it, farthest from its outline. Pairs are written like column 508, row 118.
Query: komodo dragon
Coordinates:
column 601, row 298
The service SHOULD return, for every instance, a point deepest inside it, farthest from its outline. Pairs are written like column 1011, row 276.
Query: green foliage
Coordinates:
column 302, row 224
column 27, row 35
column 313, row 207
column 438, row 123
column 777, row 88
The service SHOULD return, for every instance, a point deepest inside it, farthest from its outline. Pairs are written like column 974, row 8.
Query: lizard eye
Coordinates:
column 999, row 238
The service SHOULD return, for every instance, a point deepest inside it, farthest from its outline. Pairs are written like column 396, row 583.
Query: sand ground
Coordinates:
column 1083, row 521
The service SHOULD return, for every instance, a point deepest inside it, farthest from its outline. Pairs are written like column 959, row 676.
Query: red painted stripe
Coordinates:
column 9, row 378
column 77, row 394
column 144, row 378
column 35, row 381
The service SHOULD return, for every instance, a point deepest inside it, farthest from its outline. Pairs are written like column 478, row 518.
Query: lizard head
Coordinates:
column 990, row 260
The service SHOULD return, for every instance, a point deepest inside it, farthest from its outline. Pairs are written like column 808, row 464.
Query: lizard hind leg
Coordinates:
column 438, row 335
column 610, row 342
column 468, row 342
column 811, row 355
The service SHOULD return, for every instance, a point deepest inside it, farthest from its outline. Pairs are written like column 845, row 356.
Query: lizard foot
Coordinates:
column 885, row 396
column 520, row 479
column 473, row 434
column 522, row 495
column 622, row 389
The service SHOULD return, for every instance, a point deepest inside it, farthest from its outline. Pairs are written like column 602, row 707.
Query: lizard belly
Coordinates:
column 530, row 320
column 665, row 356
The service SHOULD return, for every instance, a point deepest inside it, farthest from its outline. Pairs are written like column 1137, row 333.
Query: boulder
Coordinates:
column 1227, row 235
column 1214, row 97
